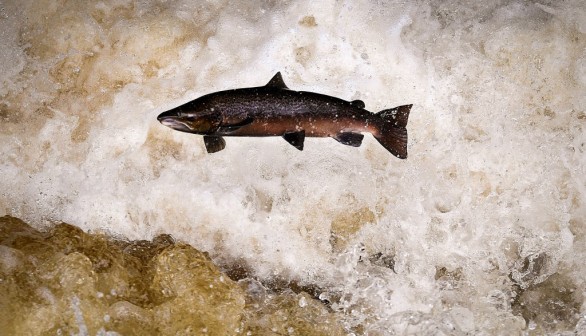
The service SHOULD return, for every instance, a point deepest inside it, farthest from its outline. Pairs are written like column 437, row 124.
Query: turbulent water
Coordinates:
column 482, row 230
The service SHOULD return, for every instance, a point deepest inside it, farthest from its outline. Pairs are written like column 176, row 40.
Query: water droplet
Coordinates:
column 302, row 302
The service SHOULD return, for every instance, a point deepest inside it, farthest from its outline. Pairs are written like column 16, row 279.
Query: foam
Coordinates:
column 495, row 175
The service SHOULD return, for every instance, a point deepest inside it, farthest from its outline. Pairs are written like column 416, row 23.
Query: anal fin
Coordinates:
column 214, row 143
column 296, row 139
column 349, row 139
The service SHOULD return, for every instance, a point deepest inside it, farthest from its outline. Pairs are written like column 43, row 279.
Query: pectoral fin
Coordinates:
column 214, row 143
column 350, row 139
column 296, row 139
column 234, row 127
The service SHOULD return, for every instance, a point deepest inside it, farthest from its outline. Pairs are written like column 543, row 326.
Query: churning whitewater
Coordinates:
column 480, row 231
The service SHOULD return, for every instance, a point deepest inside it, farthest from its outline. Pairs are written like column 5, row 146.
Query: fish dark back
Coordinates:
column 268, row 102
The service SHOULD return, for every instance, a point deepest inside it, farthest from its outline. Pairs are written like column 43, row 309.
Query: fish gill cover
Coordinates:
column 480, row 231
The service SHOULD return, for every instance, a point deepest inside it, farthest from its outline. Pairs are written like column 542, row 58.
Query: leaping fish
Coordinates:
column 275, row 110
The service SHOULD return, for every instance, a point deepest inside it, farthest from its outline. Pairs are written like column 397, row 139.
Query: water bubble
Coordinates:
column 302, row 302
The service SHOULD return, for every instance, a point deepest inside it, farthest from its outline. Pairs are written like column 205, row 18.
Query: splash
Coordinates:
column 67, row 281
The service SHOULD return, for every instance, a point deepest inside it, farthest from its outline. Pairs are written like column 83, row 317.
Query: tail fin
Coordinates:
column 392, row 130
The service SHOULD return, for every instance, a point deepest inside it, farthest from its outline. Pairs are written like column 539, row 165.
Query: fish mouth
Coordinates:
column 172, row 120
column 191, row 121
column 167, row 116
column 175, row 124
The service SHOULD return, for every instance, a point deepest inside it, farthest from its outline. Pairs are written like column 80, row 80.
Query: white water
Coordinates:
column 495, row 179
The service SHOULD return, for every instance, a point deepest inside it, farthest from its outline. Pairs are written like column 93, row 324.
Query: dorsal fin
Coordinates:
column 277, row 82
column 358, row 103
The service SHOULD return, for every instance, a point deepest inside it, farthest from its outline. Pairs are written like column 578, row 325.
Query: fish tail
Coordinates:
column 392, row 130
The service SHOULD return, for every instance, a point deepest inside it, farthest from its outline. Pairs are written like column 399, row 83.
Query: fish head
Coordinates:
column 192, row 118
